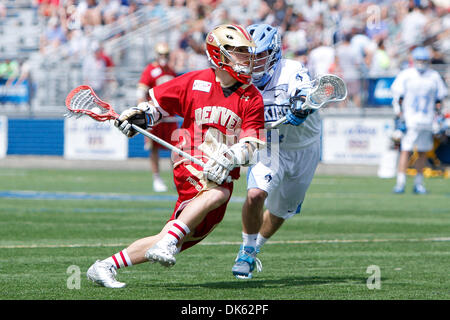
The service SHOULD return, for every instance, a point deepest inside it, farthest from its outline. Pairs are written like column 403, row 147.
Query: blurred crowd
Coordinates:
column 352, row 38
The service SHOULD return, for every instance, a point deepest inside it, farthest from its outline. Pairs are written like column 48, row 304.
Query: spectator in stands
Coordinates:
column 348, row 65
column 380, row 61
column 295, row 40
column 9, row 70
column 437, row 57
column 94, row 69
column 24, row 72
column 109, row 10
column 3, row 10
column 363, row 46
column 321, row 59
column 53, row 36
column 279, row 12
column 47, row 8
column 69, row 16
column 90, row 13
column 413, row 27
column 311, row 10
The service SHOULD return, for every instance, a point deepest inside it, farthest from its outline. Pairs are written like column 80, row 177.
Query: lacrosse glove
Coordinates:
column 225, row 159
column 296, row 115
column 400, row 124
column 143, row 116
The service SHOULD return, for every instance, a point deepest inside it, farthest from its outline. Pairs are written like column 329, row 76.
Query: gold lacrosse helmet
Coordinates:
column 230, row 47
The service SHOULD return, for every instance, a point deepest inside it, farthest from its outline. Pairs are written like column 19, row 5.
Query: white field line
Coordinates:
column 221, row 243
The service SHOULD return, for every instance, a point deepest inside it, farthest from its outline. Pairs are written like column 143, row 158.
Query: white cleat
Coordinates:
column 159, row 185
column 162, row 253
column 104, row 274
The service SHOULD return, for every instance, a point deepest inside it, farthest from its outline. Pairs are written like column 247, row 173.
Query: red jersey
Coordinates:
column 199, row 99
column 154, row 75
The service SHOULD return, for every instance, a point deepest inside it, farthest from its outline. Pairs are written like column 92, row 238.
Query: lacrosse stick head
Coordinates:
column 82, row 101
column 329, row 88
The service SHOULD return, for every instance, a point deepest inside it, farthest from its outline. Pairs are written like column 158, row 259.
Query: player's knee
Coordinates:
column 256, row 196
column 219, row 196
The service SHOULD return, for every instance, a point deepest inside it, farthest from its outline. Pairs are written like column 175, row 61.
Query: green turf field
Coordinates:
column 49, row 225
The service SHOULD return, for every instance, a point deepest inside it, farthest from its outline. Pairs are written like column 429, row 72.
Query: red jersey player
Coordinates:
column 155, row 74
column 218, row 105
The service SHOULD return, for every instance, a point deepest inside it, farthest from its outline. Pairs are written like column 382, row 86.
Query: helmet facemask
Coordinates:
column 421, row 65
column 238, row 60
column 264, row 66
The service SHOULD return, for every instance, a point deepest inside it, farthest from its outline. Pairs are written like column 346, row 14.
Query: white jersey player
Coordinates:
column 281, row 176
column 417, row 95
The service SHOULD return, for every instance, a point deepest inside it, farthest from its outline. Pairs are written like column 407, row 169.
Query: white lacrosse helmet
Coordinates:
column 267, row 39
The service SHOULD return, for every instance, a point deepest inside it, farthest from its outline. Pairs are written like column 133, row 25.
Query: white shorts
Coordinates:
column 422, row 139
column 286, row 184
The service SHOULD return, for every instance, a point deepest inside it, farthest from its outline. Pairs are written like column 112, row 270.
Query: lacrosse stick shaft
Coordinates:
column 171, row 147
column 273, row 125
column 168, row 145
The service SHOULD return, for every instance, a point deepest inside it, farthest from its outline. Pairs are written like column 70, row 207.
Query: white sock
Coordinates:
column 249, row 240
column 401, row 179
column 260, row 241
column 418, row 179
column 176, row 232
column 120, row 259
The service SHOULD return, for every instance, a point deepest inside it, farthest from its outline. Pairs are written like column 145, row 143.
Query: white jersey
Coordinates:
column 420, row 92
column 289, row 76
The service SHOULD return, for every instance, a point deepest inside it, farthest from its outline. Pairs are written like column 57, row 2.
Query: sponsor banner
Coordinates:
column 3, row 136
column 379, row 91
column 355, row 140
column 14, row 93
column 87, row 139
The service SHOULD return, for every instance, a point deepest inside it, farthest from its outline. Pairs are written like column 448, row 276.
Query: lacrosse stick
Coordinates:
column 329, row 88
column 82, row 101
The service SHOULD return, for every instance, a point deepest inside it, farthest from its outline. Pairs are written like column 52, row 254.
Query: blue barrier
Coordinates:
column 46, row 137
column 35, row 137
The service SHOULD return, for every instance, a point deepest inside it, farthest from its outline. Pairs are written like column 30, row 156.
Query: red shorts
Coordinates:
column 163, row 131
column 188, row 186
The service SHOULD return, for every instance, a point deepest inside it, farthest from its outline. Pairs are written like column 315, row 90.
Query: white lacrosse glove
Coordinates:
column 144, row 115
column 225, row 159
